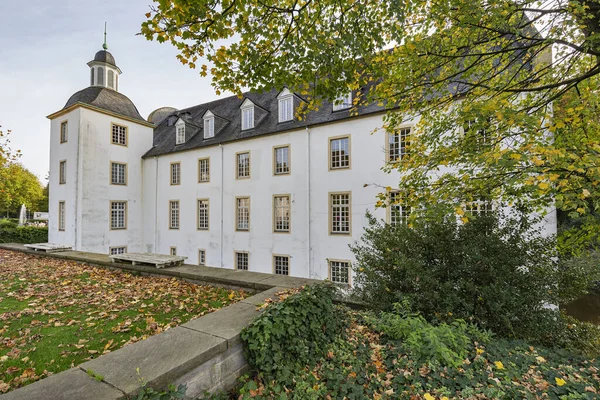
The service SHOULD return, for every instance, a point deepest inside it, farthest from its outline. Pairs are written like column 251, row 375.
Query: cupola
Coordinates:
column 103, row 69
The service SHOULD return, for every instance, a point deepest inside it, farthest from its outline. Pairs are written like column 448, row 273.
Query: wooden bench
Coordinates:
column 48, row 247
column 158, row 260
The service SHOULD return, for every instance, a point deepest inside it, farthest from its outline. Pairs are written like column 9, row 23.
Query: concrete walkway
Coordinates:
column 200, row 274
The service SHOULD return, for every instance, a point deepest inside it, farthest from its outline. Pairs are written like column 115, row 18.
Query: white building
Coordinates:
column 234, row 183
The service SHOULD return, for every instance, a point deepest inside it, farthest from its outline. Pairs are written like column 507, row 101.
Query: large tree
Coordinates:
column 505, row 91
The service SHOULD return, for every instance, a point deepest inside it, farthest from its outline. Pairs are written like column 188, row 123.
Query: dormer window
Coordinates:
column 342, row 102
column 180, row 132
column 247, row 115
column 209, row 125
column 286, row 106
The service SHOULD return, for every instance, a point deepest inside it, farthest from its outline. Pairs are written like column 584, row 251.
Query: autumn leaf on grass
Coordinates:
column 560, row 381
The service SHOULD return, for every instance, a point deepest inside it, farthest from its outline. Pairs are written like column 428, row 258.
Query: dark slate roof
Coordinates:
column 105, row 56
column 106, row 99
column 228, row 128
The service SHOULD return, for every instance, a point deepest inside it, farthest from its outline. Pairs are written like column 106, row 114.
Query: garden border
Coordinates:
column 206, row 353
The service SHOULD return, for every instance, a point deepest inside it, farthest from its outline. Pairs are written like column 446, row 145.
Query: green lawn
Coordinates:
column 57, row 314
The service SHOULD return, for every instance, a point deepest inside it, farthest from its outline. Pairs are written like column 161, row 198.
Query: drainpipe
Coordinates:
column 156, row 206
column 308, row 242
column 78, row 198
column 222, row 181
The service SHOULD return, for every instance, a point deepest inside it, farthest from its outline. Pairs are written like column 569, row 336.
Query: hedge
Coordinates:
column 23, row 234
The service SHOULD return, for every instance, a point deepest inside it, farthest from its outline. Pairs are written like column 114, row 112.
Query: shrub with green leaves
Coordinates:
column 497, row 271
column 22, row 234
column 445, row 344
column 294, row 332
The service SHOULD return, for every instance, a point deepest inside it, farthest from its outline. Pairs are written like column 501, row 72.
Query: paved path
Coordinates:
column 202, row 274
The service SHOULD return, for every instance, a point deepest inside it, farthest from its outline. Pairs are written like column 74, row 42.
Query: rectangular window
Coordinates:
column 339, row 272
column 281, row 265
column 180, row 136
column 343, row 102
column 282, row 160
column 243, row 165
column 119, row 135
column 204, row 170
column 62, row 172
column 209, row 127
column 398, row 143
column 175, row 173
column 201, row 257
column 286, row 109
column 64, row 131
column 339, row 213
column 478, row 134
column 118, row 173
column 242, row 260
column 61, row 216
column 339, row 150
column 281, row 213
column 117, row 250
column 398, row 213
column 242, row 214
column 247, row 118
column 480, row 207
column 118, row 215
column 203, row 214
column 173, row 250
column 174, row 214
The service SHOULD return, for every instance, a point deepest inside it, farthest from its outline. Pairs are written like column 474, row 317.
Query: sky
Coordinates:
column 44, row 50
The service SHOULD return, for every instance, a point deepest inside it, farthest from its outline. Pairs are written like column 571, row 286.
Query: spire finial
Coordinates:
column 105, row 46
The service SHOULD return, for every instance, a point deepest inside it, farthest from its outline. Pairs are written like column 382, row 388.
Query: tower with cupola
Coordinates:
column 96, row 143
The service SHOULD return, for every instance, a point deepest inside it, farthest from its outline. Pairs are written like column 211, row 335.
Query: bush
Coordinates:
column 22, row 234
column 293, row 333
column 444, row 344
column 496, row 271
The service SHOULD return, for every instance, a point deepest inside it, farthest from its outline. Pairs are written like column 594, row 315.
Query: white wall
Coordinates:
column 66, row 192
column 88, row 191
column 367, row 158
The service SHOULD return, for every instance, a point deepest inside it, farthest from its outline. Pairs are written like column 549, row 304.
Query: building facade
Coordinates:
column 234, row 183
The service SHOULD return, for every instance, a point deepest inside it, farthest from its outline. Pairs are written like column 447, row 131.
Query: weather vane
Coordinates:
column 105, row 46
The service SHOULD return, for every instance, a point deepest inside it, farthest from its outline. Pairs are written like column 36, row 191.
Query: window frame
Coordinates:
column 210, row 120
column 125, row 135
column 173, row 250
column 289, row 159
column 237, row 165
column 179, row 134
column 110, row 222
column 236, row 260
column 207, row 159
column 171, row 220
column 330, row 156
column 171, row 175
column 125, row 173
column 342, row 105
column 198, row 227
column 286, row 98
column 64, row 134
column 402, row 152
column 330, row 213
column 62, row 215
column 274, row 211
column 330, row 272
column 484, row 207
column 111, row 248
column 202, row 252
column 62, row 172
column 237, row 213
column 274, row 264
column 245, row 110
column 403, row 218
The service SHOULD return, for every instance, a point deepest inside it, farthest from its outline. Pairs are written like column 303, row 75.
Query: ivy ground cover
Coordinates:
column 56, row 314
